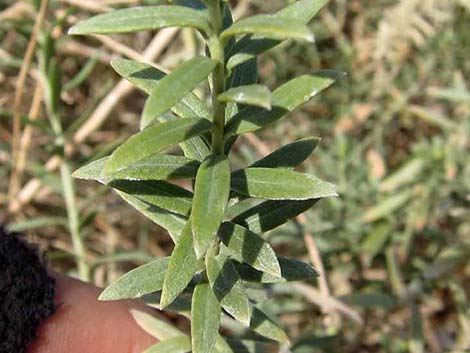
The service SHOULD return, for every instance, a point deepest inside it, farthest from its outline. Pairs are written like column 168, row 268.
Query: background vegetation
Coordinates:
column 393, row 250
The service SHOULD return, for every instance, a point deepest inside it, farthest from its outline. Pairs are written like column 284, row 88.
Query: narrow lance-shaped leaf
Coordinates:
column 269, row 26
column 195, row 148
column 170, row 221
column 143, row 18
column 302, row 10
column 138, row 282
column 256, row 95
column 211, row 193
column 92, row 170
column 250, row 248
column 272, row 213
column 280, row 184
column 291, row 270
column 228, row 287
column 266, row 327
column 205, row 319
column 153, row 140
column 284, row 100
column 146, row 78
column 182, row 267
column 172, row 345
column 290, row 155
column 158, row 193
column 158, row 167
column 248, row 47
column 172, row 88
column 252, row 346
column 156, row 327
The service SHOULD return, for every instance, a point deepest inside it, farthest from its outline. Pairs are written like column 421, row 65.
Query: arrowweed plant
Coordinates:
column 217, row 231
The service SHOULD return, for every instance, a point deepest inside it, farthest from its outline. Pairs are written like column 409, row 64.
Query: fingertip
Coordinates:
column 84, row 324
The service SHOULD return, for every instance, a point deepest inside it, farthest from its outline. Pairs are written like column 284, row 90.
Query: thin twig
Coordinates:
column 27, row 134
column 14, row 185
column 315, row 257
column 327, row 303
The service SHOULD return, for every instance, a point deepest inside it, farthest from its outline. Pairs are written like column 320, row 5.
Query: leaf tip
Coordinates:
column 74, row 30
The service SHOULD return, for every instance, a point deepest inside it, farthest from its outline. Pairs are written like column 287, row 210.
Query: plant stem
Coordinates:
column 73, row 220
column 216, row 48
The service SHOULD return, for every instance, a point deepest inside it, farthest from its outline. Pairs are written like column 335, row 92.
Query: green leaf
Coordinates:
column 172, row 88
column 146, row 77
column 205, row 319
column 228, row 287
column 157, row 167
column 91, row 171
column 290, row 155
column 251, row 346
column 156, row 327
column 269, row 26
column 280, row 184
column 172, row 345
column 211, row 194
column 256, row 95
column 182, row 267
column 161, row 194
column 138, row 282
column 250, row 247
column 387, row 206
column 181, row 305
column 302, row 10
column 143, row 18
column 291, row 270
column 285, row 99
column 153, row 140
column 271, row 214
column 266, row 327
column 248, row 47
column 170, row 221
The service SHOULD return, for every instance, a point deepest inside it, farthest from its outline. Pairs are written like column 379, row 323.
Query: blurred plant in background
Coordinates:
column 396, row 140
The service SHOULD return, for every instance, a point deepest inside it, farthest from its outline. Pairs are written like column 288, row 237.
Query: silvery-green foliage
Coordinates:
column 215, row 256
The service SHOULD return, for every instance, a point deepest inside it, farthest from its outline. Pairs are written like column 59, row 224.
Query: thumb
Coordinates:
column 84, row 324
